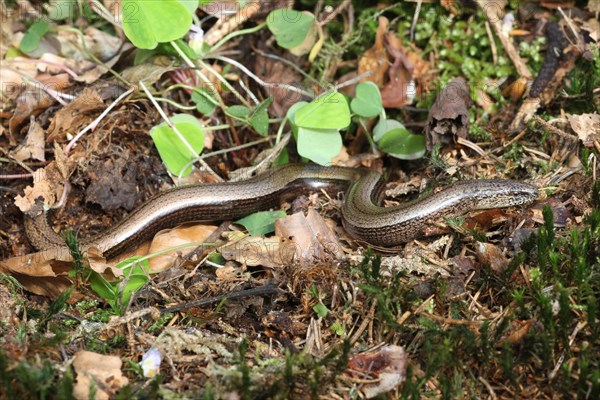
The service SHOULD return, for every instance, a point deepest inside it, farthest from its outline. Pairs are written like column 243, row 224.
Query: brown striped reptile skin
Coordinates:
column 363, row 218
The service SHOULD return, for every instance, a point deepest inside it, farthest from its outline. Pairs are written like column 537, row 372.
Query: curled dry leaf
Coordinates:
column 47, row 189
column 387, row 366
column 101, row 372
column 489, row 254
column 587, row 127
column 449, row 116
column 270, row 70
column 176, row 237
column 260, row 251
column 44, row 273
column 562, row 216
column 376, row 59
column 32, row 100
column 517, row 331
column 408, row 67
column 313, row 240
column 33, row 145
column 75, row 115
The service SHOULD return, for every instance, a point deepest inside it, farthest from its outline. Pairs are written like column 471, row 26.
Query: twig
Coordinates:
column 492, row 42
column 509, row 47
column 291, row 88
column 334, row 13
column 265, row 290
column 415, row 19
column 554, row 129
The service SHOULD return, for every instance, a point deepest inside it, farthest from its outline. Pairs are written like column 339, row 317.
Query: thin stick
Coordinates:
column 415, row 19
column 509, row 46
column 265, row 290
column 291, row 88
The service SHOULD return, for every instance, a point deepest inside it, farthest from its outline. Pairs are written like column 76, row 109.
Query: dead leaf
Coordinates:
column 75, row 115
column 146, row 72
column 592, row 26
column 33, row 145
column 489, row 254
column 562, row 216
column 44, row 273
column 517, row 331
column 403, row 74
column 32, row 100
column 587, row 127
column 270, row 252
column 47, row 184
column 175, row 237
column 101, row 372
column 387, row 366
column 376, row 58
column 314, row 241
column 272, row 71
column 449, row 115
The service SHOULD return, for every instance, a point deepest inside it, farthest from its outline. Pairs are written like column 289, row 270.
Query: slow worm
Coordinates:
column 362, row 215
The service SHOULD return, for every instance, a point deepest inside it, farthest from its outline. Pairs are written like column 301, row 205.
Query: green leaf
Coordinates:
column 384, row 126
column 135, row 276
column 33, row 36
column 367, row 102
column 147, row 23
column 402, row 144
column 327, row 112
column 262, row 222
column 239, row 112
column 337, row 328
column 205, row 101
column 290, row 27
column 259, row 118
column 190, row 5
column 173, row 152
column 319, row 145
column 60, row 10
column 291, row 115
column 320, row 310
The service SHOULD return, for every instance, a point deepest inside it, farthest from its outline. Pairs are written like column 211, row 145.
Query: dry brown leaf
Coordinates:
column 517, row 331
column 386, row 366
column 376, row 59
column 489, row 254
column 562, row 216
column 592, row 25
column 44, row 273
column 176, row 237
column 75, row 115
column 272, row 71
column 270, row 252
column 146, row 72
column 593, row 6
column 312, row 238
column 101, row 372
column 449, row 115
column 33, row 145
column 47, row 184
column 587, row 127
column 32, row 100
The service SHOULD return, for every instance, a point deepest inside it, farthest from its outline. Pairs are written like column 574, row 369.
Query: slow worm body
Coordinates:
column 362, row 215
